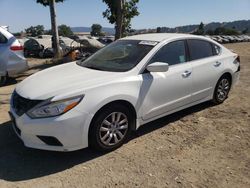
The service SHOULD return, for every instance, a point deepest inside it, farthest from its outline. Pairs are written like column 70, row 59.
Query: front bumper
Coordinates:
column 70, row 129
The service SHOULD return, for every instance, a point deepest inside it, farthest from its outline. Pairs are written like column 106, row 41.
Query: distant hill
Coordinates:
column 88, row 29
column 240, row 25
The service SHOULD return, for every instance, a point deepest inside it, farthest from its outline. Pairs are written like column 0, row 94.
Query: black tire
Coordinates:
column 26, row 53
column 3, row 80
column 222, row 90
column 95, row 132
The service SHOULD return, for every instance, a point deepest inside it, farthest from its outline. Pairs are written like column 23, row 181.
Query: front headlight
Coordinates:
column 54, row 108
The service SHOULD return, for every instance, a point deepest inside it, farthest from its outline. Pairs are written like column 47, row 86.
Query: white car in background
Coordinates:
column 12, row 60
column 135, row 80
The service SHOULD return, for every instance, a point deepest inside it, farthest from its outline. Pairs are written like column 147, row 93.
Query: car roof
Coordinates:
column 159, row 37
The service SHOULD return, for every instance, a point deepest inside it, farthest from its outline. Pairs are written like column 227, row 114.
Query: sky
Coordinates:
column 20, row 14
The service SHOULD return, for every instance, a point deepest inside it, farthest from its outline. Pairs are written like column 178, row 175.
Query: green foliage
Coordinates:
column 245, row 31
column 200, row 30
column 130, row 10
column 46, row 2
column 96, row 30
column 18, row 34
column 158, row 30
column 225, row 31
column 35, row 30
column 64, row 30
column 210, row 32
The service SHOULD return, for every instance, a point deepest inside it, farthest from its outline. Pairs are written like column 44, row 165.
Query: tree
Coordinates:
column 35, row 30
column 158, row 30
column 120, row 13
column 219, row 31
column 64, row 30
column 55, row 38
column 200, row 30
column 225, row 31
column 96, row 30
column 245, row 31
column 210, row 32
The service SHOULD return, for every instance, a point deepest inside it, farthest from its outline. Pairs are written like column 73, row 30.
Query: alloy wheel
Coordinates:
column 113, row 128
column 223, row 89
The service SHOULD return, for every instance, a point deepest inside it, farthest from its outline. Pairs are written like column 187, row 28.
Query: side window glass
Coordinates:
column 199, row 49
column 172, row 53
column 3, row 39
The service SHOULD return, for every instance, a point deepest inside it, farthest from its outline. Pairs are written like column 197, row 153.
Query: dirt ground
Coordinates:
column 203, row 146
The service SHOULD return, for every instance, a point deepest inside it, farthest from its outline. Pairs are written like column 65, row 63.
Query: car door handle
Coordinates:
column 186, row 74
column 217, row 64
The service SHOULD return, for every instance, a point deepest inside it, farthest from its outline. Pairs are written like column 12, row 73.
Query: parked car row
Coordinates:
column 42, row 46
column 229, row 38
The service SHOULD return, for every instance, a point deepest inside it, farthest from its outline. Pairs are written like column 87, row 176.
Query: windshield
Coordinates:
column 119, row 56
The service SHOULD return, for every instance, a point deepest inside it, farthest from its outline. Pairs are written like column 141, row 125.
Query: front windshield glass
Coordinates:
column 119, row 56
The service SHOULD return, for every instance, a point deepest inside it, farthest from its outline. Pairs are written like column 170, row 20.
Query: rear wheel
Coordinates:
column 3, row 80
column 222, row 90
column 25, row 53
column 110, row 128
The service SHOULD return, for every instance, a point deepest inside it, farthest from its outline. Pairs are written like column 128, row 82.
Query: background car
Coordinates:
column 32, row 48
column 12, row 60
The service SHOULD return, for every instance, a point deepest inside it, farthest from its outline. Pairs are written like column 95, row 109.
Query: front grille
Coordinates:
column 22, row 105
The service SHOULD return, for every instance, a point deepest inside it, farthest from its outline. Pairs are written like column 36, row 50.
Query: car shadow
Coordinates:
column 164, row 121
column 19, row 163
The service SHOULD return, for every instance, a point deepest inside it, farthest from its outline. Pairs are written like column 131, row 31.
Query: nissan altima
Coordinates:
column 97, row 102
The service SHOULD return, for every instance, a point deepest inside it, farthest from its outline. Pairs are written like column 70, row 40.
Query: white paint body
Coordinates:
column 11, row 62
column 153, row 95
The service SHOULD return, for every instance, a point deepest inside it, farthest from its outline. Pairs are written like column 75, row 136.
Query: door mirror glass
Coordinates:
column 158, row 67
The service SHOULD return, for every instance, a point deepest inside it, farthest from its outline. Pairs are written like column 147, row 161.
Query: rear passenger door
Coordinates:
column 206, row 67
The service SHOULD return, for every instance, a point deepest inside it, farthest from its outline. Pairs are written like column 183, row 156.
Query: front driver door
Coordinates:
column 167, row 91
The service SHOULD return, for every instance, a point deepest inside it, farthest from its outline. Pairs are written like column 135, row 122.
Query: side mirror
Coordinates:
column 158, row 67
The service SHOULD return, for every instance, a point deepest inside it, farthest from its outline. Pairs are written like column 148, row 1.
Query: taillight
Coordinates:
column 238, row 59
column 16, row 48
column 237, row 62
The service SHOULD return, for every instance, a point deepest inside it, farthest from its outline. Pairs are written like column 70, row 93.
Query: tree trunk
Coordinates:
column 119, row 19
column 55, row 36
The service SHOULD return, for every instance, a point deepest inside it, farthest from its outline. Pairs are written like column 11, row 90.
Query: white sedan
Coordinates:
column 97, row 102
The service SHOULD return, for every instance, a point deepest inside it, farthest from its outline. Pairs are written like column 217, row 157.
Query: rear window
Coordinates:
column 3, row 39
column 199, row 49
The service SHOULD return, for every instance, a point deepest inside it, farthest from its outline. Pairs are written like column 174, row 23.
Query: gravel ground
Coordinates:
column 203, row 146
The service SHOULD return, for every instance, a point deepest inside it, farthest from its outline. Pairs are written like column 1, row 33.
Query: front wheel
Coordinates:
column 110, row 128
column 222, row 89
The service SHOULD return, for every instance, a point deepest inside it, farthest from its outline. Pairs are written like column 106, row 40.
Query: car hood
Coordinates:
column 66, row 79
